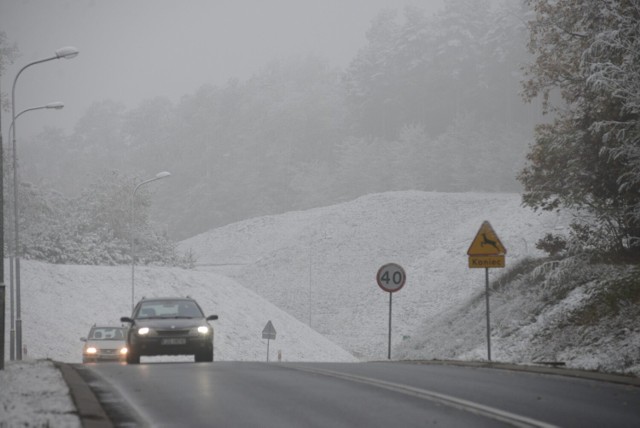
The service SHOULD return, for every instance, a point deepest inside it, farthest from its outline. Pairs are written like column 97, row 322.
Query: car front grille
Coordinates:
column 173, row 333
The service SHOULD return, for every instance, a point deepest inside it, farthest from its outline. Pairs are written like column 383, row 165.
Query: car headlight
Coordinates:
column 143, row 330
column 92, row 350
column 123, row 350
column 203, row 329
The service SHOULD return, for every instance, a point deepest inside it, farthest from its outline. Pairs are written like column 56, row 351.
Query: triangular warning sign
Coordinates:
column 486, row 243
column 269, row 332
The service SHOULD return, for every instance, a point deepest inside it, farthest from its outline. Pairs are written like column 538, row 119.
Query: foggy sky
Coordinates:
column 136, row 50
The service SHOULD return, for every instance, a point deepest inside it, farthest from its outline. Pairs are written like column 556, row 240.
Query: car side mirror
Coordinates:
column 83, row 339
column 212, row 317
column 126, row 319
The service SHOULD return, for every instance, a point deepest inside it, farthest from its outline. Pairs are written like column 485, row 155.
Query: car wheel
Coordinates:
column 133, row 357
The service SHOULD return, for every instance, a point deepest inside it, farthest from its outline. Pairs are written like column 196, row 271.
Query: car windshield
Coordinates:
column 106, row 333
column 169, row 309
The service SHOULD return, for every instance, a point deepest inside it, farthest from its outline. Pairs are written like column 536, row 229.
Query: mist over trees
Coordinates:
column 429, row 103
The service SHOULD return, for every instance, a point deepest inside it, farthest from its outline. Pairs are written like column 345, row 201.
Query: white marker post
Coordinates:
column 391, row 278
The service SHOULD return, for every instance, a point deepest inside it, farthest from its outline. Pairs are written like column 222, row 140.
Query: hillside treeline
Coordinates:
column 448, row 102
column 429, row 103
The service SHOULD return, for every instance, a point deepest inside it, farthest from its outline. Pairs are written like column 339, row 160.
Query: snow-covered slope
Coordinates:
column 576, row 311
column 59, row 304
column 320, row 265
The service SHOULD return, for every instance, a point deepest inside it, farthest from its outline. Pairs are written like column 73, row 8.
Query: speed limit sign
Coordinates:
column 391, row 277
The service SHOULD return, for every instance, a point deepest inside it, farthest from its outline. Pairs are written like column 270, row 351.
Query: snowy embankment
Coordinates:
column 61, row 302
column 312, row 273
column 574, row 311
column 320, row 265
column 34, row 394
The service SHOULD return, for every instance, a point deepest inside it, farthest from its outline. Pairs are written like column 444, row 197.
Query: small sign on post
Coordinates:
column 391, row 278
column 486, row 251
column 269, row 333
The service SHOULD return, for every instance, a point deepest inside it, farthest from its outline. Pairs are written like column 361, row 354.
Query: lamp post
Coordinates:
column 55, row 105
column 68, row 53
column 12, row 332
column 133, row 219
column 2, row 286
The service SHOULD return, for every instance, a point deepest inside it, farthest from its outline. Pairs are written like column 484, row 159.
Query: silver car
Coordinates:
column 105, row 343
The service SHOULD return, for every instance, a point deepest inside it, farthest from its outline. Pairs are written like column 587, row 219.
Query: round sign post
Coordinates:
column 391, row 278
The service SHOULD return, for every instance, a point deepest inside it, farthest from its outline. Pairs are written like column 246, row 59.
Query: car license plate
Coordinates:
column 174, row 341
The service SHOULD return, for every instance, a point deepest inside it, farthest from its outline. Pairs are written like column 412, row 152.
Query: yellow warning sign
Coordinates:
column 486, row 243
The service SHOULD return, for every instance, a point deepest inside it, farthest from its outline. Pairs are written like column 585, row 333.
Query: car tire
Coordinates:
column 133, row 357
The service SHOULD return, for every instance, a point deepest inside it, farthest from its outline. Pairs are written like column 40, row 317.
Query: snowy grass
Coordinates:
column 33, row 394
column 61, row 302
column 583, row 315
column 320, row 265
column 312, row 273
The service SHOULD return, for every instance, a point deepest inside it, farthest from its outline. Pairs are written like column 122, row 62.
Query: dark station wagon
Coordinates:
column 169, row 326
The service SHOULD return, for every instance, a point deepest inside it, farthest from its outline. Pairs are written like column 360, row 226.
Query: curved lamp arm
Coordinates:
column 158, row 176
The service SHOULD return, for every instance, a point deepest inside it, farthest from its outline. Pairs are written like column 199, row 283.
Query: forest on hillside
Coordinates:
column 429, row 103
column 538, row 96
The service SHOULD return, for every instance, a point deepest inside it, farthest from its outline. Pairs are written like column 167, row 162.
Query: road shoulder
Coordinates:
column 90, row 411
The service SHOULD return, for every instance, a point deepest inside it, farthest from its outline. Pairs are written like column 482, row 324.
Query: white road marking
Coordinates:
column 466, row 405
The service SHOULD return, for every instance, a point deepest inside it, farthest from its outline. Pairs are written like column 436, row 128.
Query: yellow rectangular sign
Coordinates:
column 486, row 261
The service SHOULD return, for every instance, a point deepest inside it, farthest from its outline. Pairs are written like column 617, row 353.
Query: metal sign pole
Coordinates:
column 2, row 315
column 12, row 323
column 486, row 270
column 267, row 350
column 2, row 286
column 390, row 300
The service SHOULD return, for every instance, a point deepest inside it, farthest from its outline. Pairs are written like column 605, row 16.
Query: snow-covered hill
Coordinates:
column 60, row 303
column 320, row 265
column 577, row 311
column 312, row 273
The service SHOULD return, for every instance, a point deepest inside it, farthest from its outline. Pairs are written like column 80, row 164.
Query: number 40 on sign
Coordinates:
column 391, row 277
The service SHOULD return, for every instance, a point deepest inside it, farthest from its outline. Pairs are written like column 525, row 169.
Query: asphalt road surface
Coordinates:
column 374, row 394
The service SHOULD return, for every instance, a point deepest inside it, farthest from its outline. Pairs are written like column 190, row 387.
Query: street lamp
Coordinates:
column 55, row 105
column 133, row 217
column 12, row 333
column 67, row 53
